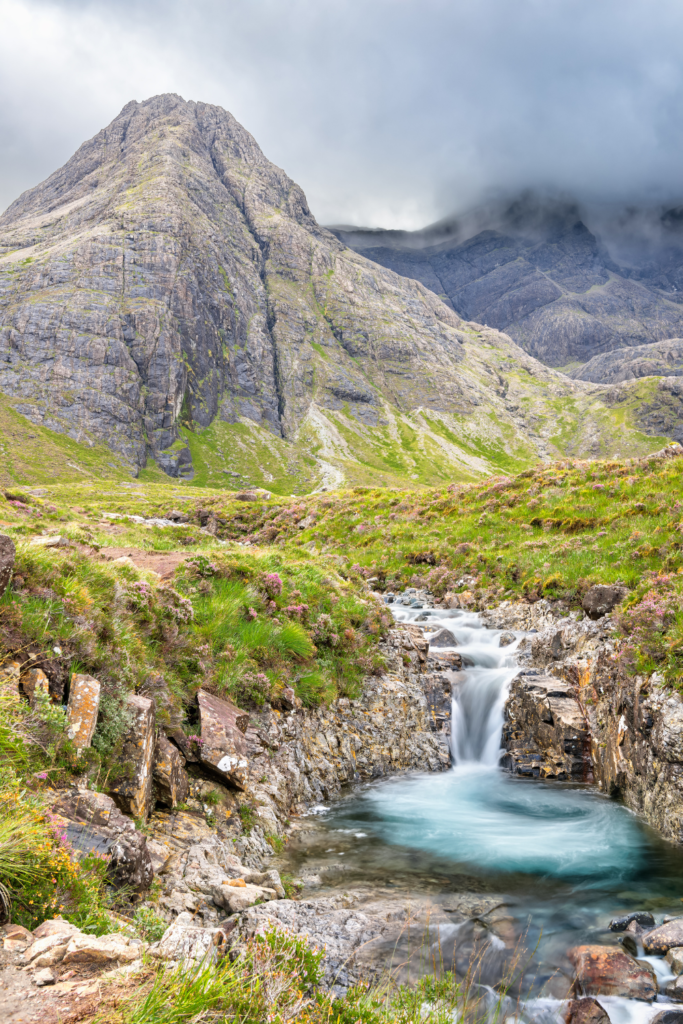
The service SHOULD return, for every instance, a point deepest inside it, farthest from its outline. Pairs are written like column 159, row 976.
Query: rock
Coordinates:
column 662, row 939
column 185, row 941
column 82, row 709
column 32, row 681
column 53, row 956
column 675, row 958
column 170, row 778
column 667, row 1017
column 134, row 794
column 674, row 989
column 224, row 745
column 641, row 917
column 506, row 639
column 7, row 555
column 55, row 926
column 94, row 822
column 545, row 727
column 442, row 638
column 54, row 541
column 102, row 949
column 238, row 898
column 585, row 1011
column 48, row 943
column 609, row 971
column 45, row 977
column 601, row 599
column 15, row 938
column 10, row 673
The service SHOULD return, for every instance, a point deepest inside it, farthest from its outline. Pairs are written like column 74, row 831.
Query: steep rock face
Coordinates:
column 659, row 359
column 169, row 262
column 170, row 274
column 539, row 273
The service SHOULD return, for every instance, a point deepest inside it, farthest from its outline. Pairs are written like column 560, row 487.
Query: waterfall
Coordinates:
column 479, row 690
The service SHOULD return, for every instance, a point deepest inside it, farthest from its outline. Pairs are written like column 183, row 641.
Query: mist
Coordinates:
column 391, row 113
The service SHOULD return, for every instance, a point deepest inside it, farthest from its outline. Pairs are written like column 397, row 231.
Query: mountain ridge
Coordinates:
column 168, row 292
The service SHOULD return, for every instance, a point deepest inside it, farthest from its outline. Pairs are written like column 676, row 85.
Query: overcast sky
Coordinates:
column 387, row 112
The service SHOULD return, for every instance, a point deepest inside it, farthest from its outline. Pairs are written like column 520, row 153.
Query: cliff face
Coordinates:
column 537, row 271
column 169, row 278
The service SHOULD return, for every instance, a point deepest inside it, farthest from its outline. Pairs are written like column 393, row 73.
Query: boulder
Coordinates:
column 675, row 959
column 641, row 918
column 55, row 926
column 609, row 971
column 442, row 638
column 506, row 639
column 134, row 793
column 237, row 898
column 82, row 709
column 224, row 744
column 170, row 778
column 585, row 1011
column 31, row 681
column 7, row 555
column 660, row 940
column 15, row 938
column 601, row 599
column 47, row 944
column 668, row 1017
column 184, row 940
column 94, row 823
column 100, row 949
column 44, row 977
column 674, row 990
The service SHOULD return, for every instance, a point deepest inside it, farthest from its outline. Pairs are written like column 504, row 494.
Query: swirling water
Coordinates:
column 564, row 857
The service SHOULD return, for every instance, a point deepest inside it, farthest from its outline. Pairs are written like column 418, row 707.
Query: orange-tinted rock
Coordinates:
column 660, row 940
column 170, row 778
column 82, row 709
column 609, row 971
column 224, row 744
column 585, row 1011
column 134, row 793
column 33, row 680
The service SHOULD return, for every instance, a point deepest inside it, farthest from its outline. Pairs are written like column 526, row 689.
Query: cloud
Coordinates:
column 387, row 112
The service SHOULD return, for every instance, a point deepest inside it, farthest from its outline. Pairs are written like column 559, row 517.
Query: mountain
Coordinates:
column 169, row 293
column 565, row 282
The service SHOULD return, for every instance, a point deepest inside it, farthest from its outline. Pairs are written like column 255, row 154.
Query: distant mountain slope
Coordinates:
column 531, row 267
column 169, row 293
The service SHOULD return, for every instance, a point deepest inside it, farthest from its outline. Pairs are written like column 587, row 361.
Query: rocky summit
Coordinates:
column 168, row 293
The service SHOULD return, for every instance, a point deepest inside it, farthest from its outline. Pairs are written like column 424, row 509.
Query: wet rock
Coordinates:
column 675, row 958
column 674, row 989
column 94, row 822
column 600, row 600
column 82, row 709
column 102, row 949
column 609, row 971
column 442, row 638
column 641, row 917
column 32, row 681
column 668, row 1017
column 224, row 745
column 45, row 977
column 170, row 778
column 7, row 556
column 662, row 939
column 585, row 1011
column 134, row 793
column 506, row 639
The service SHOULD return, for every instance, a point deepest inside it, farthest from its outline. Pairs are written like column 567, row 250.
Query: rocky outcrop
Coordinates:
column 632, row 735
column 657, row 359
column 545, row 732
column 82, row 709
column 133, row 793
column 92, row 822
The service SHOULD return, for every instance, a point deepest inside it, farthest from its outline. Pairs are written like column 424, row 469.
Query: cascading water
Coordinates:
column 564, row 857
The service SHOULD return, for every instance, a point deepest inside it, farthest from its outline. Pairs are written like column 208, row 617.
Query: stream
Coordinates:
column 549, row 862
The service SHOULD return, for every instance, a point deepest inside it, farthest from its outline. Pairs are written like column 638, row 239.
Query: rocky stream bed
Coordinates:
column 554, row 873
